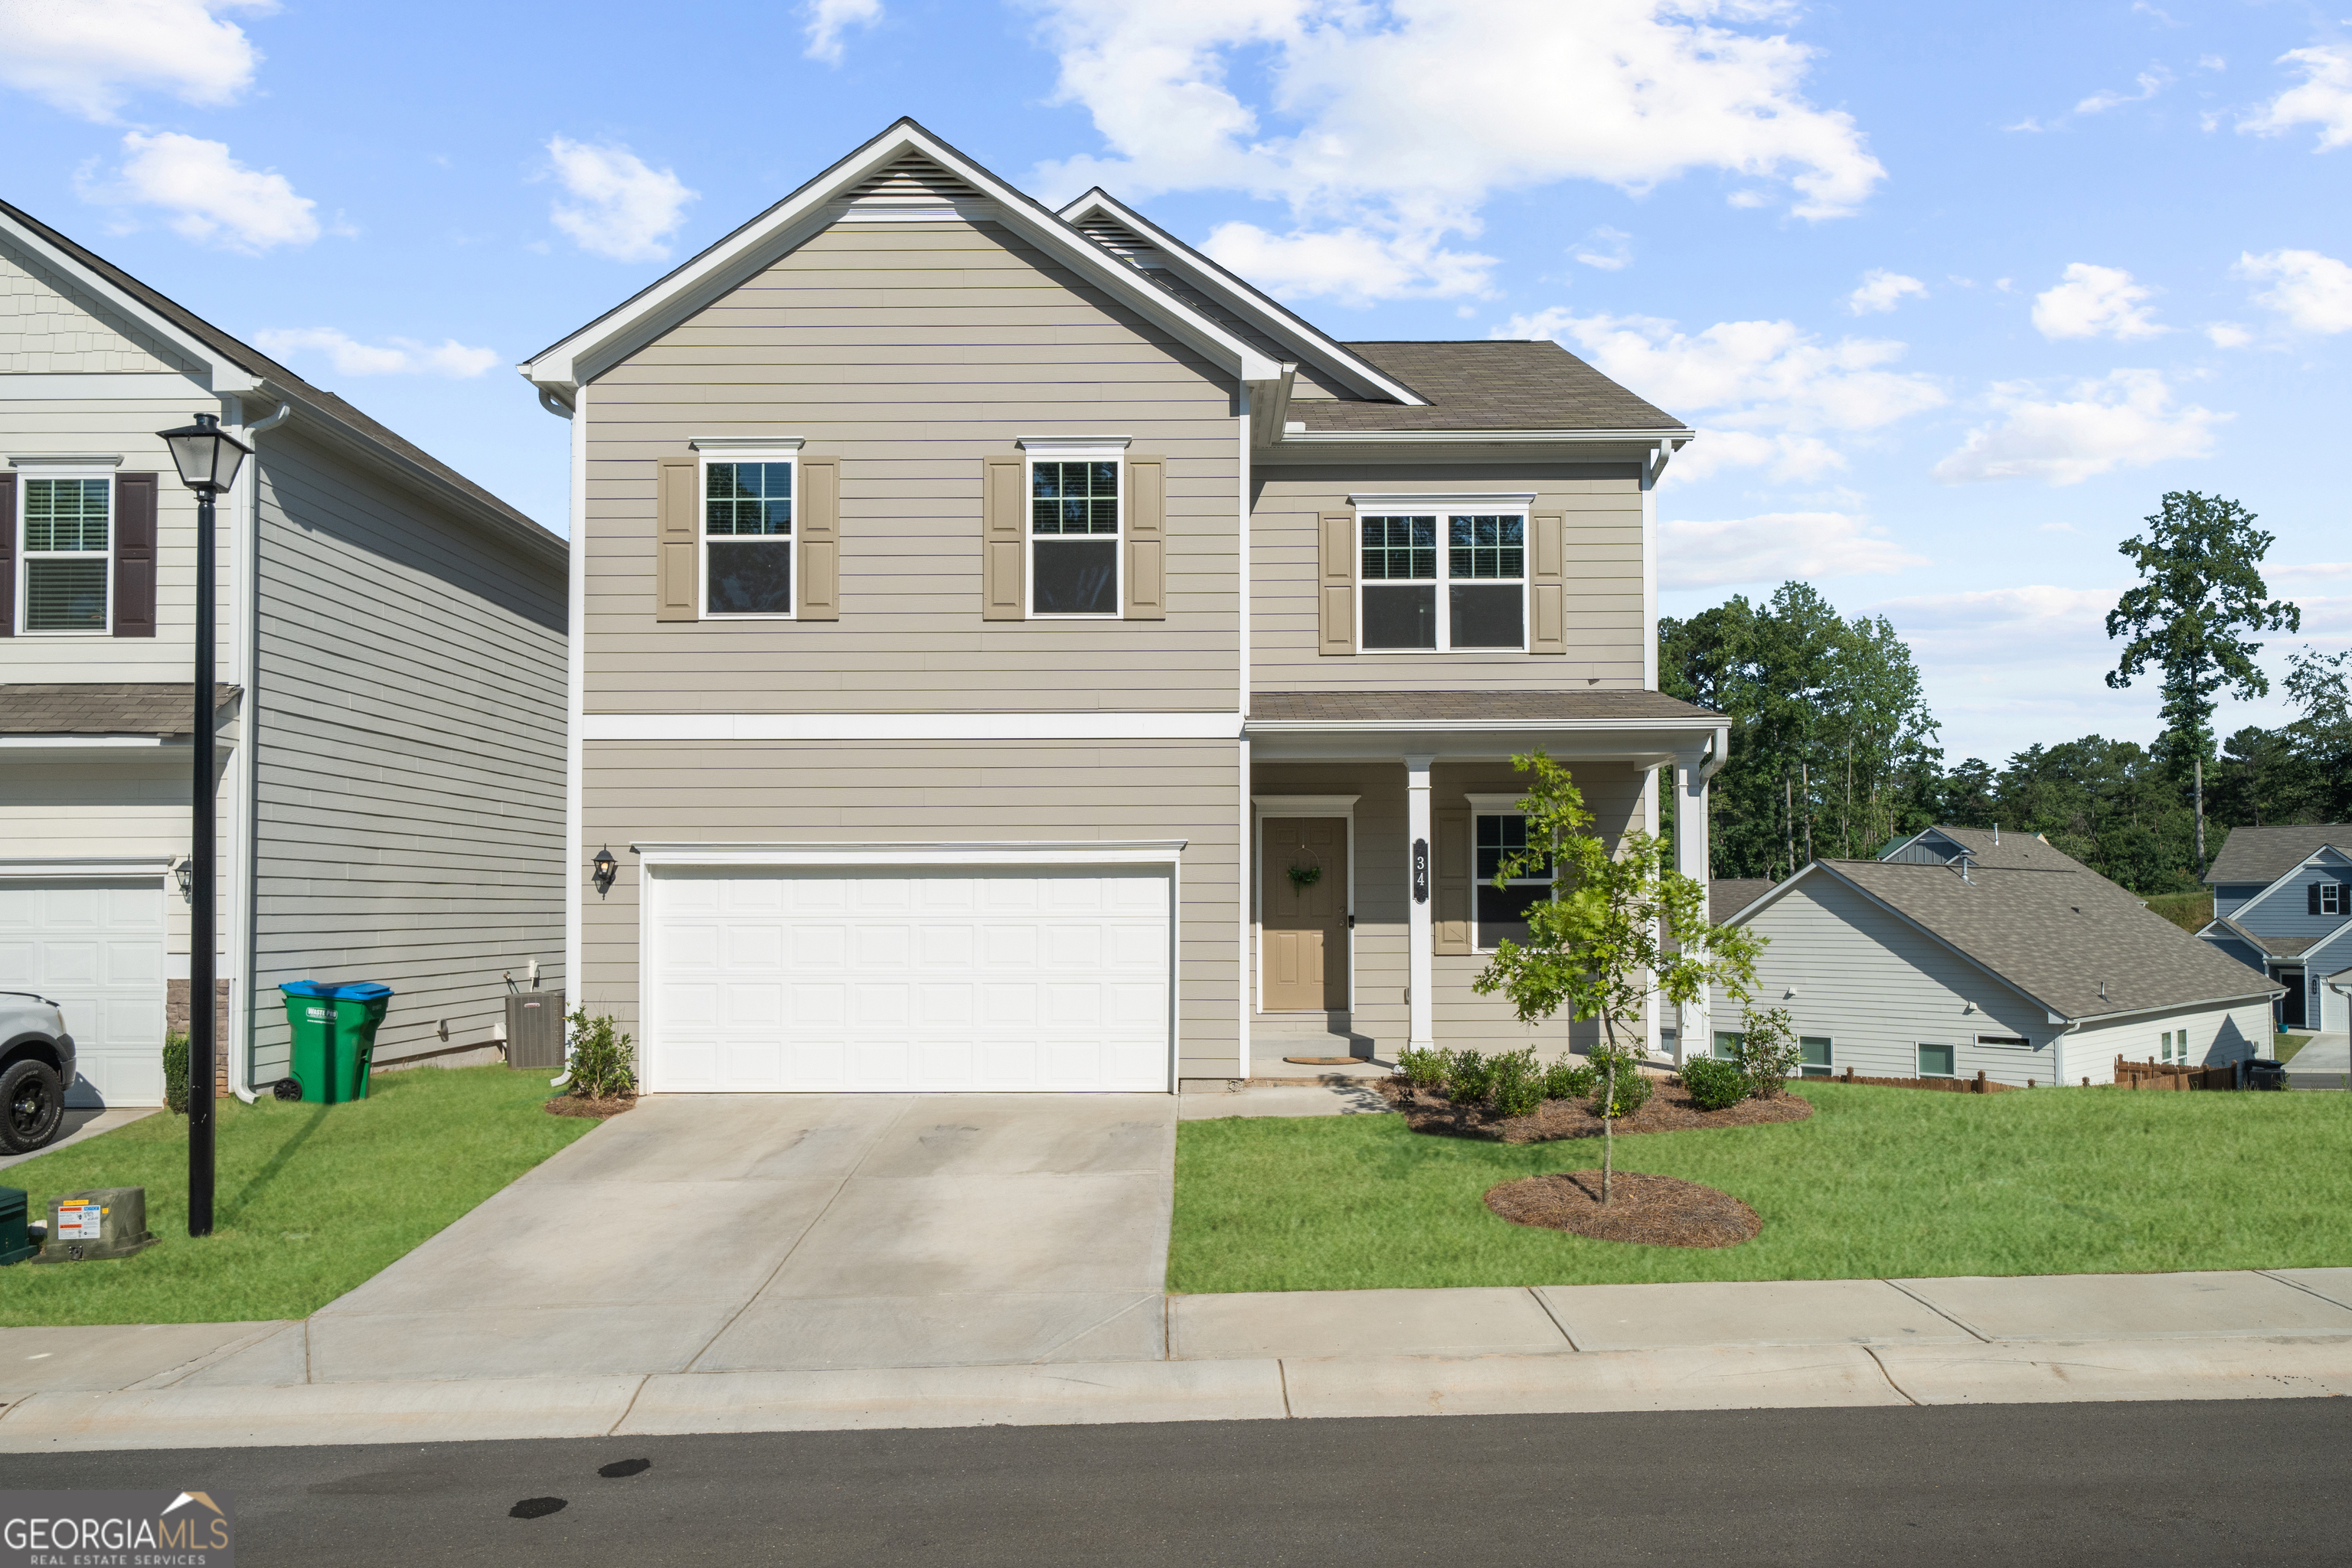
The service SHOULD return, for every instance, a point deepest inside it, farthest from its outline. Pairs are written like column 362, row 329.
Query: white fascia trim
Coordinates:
column 983, row 852
column 1088, row 726
column 1304, row 804
column 81, row 742
column 1236, row 295
column 1506, row 501
column 595, row 345
column 64, row 460
column 1472, row 726
column 2250, row 997
column 133, row 866
column 100, row 386
column 1359, row 437
column 226, row 375
column 746, row 442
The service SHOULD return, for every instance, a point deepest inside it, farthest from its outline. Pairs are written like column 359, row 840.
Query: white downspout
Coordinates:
column 244, row 868
column 575, row 648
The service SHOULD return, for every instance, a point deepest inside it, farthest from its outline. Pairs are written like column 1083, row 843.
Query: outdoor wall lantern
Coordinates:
column 606, row 869
column 185, row 873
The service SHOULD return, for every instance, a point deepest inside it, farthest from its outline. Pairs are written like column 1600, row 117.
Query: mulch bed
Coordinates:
column 598, row 1110
column 1669, row 1111
column 1655, row 1211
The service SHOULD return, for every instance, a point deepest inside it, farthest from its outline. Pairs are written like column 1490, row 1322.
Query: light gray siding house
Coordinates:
column 390, row 658
column 2282, row 906
column 1960, row 951
column 1016, row 653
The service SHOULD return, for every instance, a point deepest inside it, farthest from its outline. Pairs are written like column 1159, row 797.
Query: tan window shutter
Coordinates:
column 677, row 535
column 1339, row 582
column 1147, row 540
column 1450, row 920
column 816, row 513
column 1548, row 585
column 1005, row 532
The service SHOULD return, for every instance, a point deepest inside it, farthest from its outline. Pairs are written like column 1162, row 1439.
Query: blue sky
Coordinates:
column 1954, row 294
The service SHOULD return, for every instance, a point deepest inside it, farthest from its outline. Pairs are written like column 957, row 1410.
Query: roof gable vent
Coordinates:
column 913, row 179
column 1120, row 240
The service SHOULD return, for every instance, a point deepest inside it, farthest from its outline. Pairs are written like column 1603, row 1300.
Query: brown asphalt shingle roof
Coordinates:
column 122, row 708
column 2058, row 934
column 1727, row 896
column 2266, row 854
column 1487, row 386
column 1410, row 707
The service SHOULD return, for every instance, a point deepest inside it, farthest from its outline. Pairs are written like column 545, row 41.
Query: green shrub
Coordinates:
column 1715, row 1085
column 1768, row 1051
column 1422, row 1069
column 603, row 1064
column 175, row 1072
column 1568, row 1079
column 1515, row 1084
column 1468, row 1077
column 1633, row 1089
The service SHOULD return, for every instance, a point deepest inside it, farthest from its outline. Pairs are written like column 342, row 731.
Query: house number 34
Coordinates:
column 1420, row 871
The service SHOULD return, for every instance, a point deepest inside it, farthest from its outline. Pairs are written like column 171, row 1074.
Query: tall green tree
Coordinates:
column 2200, row 590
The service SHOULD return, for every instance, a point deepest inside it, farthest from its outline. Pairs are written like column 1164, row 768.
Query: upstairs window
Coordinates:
column 2331, row 898
column 67, row 551
column 1502, row 912
column 747, row 548
column 1443, row 581
column 1074, row 510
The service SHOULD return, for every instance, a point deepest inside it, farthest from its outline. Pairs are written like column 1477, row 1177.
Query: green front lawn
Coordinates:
column 309, row 1200
column 1879, row 1182
column 2283, row 1046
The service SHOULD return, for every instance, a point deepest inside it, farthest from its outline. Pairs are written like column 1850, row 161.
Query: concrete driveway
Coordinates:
column 2325, row 1062
column 733, row 1233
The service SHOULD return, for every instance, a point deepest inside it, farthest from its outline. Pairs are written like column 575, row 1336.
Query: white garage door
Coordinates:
column 909, row 979
column 95, row 947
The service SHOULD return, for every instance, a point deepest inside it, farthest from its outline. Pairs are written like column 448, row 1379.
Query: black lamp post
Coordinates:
column 207, row 456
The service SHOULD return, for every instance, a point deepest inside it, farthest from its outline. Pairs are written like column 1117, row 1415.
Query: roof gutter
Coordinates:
column 1660, row 439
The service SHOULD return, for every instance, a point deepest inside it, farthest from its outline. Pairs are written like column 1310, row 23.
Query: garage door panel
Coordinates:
column 910, row 979
column 94, row 946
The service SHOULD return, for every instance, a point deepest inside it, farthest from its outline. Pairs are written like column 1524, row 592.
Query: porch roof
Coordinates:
column 1419, row 709
column 162, row 709
column 1645, row 728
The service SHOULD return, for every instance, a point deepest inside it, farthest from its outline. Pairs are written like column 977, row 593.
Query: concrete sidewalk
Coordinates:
column 1302, row 1355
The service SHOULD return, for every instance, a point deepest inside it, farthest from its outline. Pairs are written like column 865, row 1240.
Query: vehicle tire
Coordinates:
column 32, row 1105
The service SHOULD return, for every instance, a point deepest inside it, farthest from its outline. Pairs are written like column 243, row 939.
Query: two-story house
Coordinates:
column 1013, row 653
column 2283, row 905
column 391, row 661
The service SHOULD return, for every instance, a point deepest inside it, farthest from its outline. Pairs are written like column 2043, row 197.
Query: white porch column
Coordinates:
column 1691, row 774
column 1420, row 876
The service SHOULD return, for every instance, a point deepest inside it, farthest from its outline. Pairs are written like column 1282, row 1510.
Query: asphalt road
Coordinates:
column 2242, row 1482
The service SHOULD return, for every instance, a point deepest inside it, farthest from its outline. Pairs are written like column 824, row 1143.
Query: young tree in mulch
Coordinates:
column 603, row 1067
column 1598, row 946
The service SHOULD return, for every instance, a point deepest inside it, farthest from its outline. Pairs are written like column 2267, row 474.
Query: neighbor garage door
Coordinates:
column 909, row 979
column 95, row 947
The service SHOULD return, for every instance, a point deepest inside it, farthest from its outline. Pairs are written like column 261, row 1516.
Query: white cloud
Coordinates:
column 2152, row 80
column 2094, row 301
column 397, row 356
column 1769, row 390
column 626, row 210
column 2323, row 99
column 828, row 19
column 1610, row 249
column 86, row 56
column 2036, row 623
column 2124, row 419
column 1774, row 548
column 211, row 198
column 1388, row 126
column 1882, row 290
column 2228, row 336
column 2311, row 290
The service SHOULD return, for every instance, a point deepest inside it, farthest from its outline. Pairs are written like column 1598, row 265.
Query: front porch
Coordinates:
column 1371, row 817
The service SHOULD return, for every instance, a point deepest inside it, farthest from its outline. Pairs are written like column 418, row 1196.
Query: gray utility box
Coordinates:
column 96, row 1223
column 535, row 1029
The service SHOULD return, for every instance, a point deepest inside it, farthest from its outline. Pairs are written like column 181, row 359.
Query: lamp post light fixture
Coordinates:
column 207, row 457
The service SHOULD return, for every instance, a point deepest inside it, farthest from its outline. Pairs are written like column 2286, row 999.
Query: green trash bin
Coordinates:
column 334, row 1037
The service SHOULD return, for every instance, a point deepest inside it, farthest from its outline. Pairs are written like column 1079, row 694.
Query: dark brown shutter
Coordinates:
column 7, row 555
column 1450, row 914
column 677, row 534
column 816, row 513
column 1004, row 537
column 134, row 555
column 1337, row 594
column 1147, row 540
column 1547, row 584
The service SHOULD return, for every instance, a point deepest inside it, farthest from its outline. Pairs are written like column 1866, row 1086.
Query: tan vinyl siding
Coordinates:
column 411, row 783
column 45, row 330
column 1604, row 632
column 912, row 351
column 133, row 803
column 928, row 792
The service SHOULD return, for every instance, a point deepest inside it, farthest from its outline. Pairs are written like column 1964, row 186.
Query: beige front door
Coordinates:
column 1303, row 910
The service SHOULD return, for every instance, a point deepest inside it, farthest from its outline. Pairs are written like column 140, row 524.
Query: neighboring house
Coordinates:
column 1961, row 951
column 1013, row 653
column 2283, row 905
column 391, row 698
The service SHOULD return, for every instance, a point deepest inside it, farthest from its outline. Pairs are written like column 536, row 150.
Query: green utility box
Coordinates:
column 15, row 1236
column 96, row 1224
column 334, row 1038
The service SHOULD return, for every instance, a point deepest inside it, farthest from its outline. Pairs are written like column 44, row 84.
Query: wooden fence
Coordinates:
column 1977, row 1085
column 2175, row 1075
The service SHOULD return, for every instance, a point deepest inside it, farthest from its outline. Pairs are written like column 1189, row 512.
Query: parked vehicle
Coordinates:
column 36, row 1062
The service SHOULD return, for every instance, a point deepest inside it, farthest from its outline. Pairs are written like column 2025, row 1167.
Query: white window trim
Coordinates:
column 1265, row 805
column 29, row 469
column 2331, row 893
column 1492, row 805
column 1445, row 508
column 1829, row 1068
column 719, row 451
column 1111, row 449
column 1919, row 1067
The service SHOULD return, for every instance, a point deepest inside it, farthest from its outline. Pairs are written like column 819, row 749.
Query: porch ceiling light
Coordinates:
column 207, row 456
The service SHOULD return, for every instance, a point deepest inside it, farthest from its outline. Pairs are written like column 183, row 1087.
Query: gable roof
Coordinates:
column 1490, row 384
column 1988, row 847
column 2266, row 854
column 2271, row 946
column 248, row 368
column 921, row 176
column 2058, row 936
